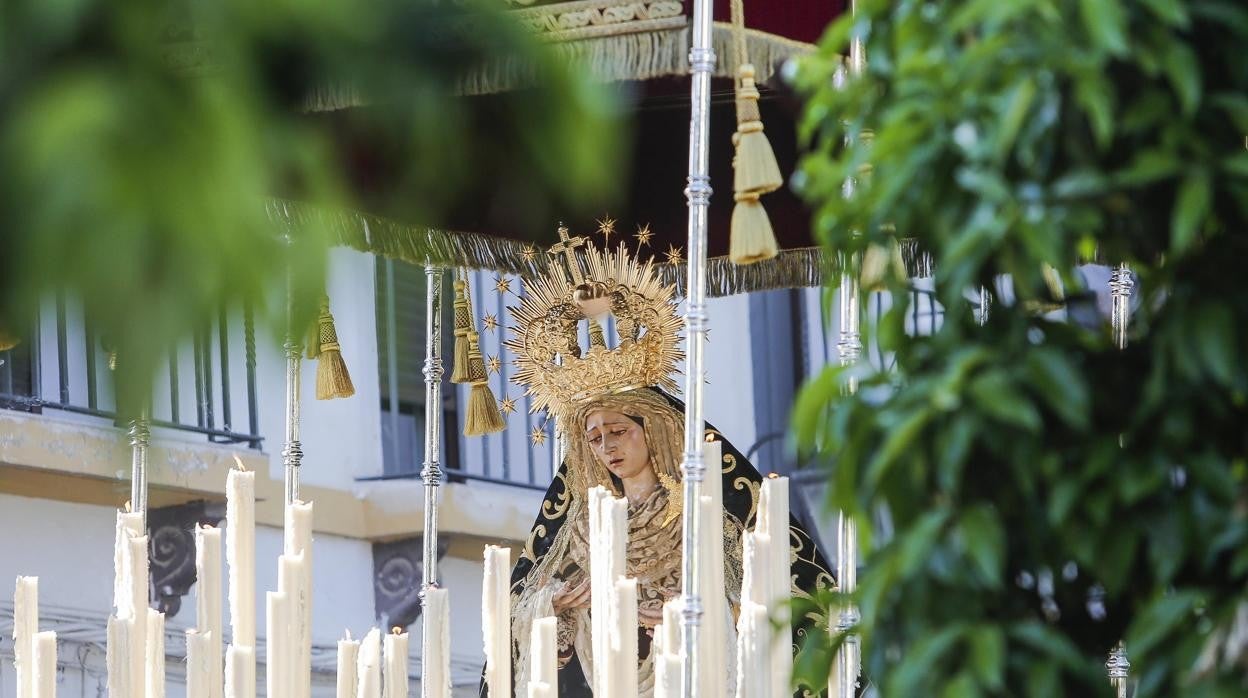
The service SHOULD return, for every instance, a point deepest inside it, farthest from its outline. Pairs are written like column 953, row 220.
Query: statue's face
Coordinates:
column 618, row 443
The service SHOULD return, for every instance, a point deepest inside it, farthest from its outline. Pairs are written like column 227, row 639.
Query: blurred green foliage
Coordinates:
column 141, row 139
column 1049, row 493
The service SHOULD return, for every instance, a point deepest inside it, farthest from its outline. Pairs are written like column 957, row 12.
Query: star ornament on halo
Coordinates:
column 502, row 284
column 508, row 405
column 528, row 254
column 643, row 235
column 674, row 255
column 493, row 365
column 490, row 321
column 538, row 436
column 606, row 228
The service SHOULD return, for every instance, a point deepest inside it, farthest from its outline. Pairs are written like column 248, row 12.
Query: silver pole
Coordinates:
column 1119, row 670
column 431, row 473
column 849, row 349
column 698, row 196
column 292, row 450
column 140, row 439
column 1120, row 287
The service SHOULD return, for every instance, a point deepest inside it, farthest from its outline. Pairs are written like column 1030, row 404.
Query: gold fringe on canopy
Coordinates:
column 410, row 243
column 638, row 55
column 797, row 268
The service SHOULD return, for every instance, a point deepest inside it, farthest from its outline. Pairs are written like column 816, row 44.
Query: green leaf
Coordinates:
column 1191, row 205
column 1152, row 626
column 996, row 395
column 1106, row 24
column 1061, row 385
column 899, row 440
column 1183, row 70
column 919, row 666
column 985, row 543
column 1171, row 12
column 988, row 655
column 1018, row 107
column 1214, row 330
column 1094, row 94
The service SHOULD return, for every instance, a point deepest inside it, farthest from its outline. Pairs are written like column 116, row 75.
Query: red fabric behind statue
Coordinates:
column 803, row 20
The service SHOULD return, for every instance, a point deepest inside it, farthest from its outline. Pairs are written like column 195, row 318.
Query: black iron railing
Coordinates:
column 61, row 364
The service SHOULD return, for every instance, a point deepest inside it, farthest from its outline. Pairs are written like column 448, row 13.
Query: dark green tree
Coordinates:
column 1049, row 493
column 140, row 141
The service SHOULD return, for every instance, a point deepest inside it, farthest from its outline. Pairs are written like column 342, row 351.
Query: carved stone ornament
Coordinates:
column 171, row 550
column 398, row 575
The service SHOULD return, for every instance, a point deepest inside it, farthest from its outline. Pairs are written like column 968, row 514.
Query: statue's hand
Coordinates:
column 571, row 596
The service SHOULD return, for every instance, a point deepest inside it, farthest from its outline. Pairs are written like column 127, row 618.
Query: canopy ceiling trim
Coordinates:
column 413, row 244
column 795, row 268
column 620, row 53
column 804, row 267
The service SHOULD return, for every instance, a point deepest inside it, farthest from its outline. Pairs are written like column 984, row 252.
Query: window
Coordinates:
column 401, row 360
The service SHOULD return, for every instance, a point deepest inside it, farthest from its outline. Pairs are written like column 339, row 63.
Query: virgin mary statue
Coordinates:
column 622, row 430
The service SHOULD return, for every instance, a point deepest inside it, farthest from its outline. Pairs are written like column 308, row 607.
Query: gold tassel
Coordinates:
column 880, row 263
column 463, row 325
column 483, row 415
column 332, row 378
column 756, row 166
column 752, row 239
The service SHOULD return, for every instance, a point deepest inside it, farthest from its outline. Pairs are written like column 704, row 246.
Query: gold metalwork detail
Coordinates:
column 507, row 405
column 674, row 256
column 545, row 341
column 538, row 436
column 643, row 236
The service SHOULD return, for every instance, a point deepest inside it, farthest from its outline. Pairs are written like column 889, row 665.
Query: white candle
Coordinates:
column 369, row 667
column 395, row 662
column 298, row 543
column 773, row 518
column 496, row 619
column 25, row 627
column 117, row 657
column 198, row 667
column 45, row 664
column 544, row 653
column 129, row 525
column 208, row 603
column 541, row 689
column 154, row 673
column 753, row 651
column 240, row 672
column 240, row 554
column 667, row 649
column 608, row 528
column 436, row 677
column 277, row 639
column 624, row 640
column 713, row 669
column 348, row 675
column 136, row 613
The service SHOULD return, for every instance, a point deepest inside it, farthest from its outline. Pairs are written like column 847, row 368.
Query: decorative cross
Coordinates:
column 567, row 247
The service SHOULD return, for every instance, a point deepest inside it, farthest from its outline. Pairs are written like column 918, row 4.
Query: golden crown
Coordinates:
column 586, row 288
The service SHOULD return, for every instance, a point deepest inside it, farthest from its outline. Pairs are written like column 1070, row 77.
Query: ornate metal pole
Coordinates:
column 140, row 439
column 292, row 450
column 431, row 473
column 1120, row 287
column 698, row 196
column 849, row 348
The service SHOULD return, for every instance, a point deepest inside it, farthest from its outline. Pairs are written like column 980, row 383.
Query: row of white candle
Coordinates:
column 136, row 633
column 34, row 652
column 374, row 668
column 764, row 654
column 612, row 598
